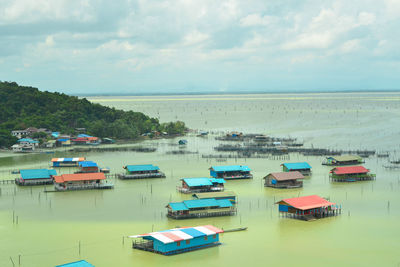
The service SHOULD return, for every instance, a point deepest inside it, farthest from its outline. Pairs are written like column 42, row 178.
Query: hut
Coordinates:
column 88, row 166
column 141, row 171
column 81, row 263
column 178, row 240
column 230, row 195
column 66, row 162
column 302, row 167
column 343, row 160
column 81, row 181
column 35, row 177
column 308, row 208
column 197, row 185
column 233, row 172
column 351, row 174
column 284, row 180
column 199, row 208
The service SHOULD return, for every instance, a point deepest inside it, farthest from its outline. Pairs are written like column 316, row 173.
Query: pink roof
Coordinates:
column 307, row 202
column 284, row 176
column 349, row 170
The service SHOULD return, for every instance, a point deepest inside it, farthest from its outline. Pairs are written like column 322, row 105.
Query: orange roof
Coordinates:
column 79, row 177
column 307, row 202
column 92, row 138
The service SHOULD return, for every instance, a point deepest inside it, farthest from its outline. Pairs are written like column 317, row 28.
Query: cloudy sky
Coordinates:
column 128, row 46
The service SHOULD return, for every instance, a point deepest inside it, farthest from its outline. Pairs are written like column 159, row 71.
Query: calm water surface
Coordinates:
column 51, row 226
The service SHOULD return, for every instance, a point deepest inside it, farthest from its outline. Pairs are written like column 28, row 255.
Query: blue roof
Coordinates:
column 193, row 232
column 231, row 168
column 28, row 140
column 81, row 263
column 224, row 203
column 200, row 203
column 55, row 134
column 197, row 181
column 139, row 168
column 297, row 166
column 63, row 140
column 87, row 164
column 37, row 173
column 178, row 206
column 84, row 135
column 217, row 180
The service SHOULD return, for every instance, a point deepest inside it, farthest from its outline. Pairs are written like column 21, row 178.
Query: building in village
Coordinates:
column 291, row 179
column 87, row 166
column 302, row 167
column 197, row 185
column 67, row 162
column 308, row 208
column 81, row 263
column 230, row 195
column 343, row 160
column 199, row 208
column 19, row 133
column 86, row 140
column 25, row 145
column 233, row 172
column 351, row 174
column 81, row 181
column 63, row 142
column 141, row 171
column 35, row 177
column 178, row 240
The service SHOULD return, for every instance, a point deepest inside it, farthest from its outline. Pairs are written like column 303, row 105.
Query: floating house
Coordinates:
column 66, row 162
column 84, row 139
column 199, row 208
column 302, row 167
column 230, row 195
column 35, row 177
column 284, row 180
column 81, row 263
column 178, row 240
column 233, row 172
column 141, row 171
column 351, row 174
column 88, row 166
column 197, row 185
column 343, row 160
column 308, row 208
column 81, row 181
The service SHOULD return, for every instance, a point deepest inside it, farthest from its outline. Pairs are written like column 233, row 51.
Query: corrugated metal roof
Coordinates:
column 224, row 203
column 284, row 176
column 307, row 202
column 197, row 181
column 87, row 164
column 29, row 140
column 297, row 166
column 79, row 177
column 177, row 206
column 217, row 180
column 193, row 232
column 140, row 168
column 201, row 203
column 215, row 194
column 81, row 263
column 67, row 159
column 349, row 170
column 231, row 168
column 346, row 158
column 37, row 174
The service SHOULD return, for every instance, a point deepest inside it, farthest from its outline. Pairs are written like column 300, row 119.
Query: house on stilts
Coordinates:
column 230, row 195
column 351, row 174
column 67, row 162
column 81, row 181
column 343, row 160
column 291, row 179
column 178, row 240
column 200, row 208
column 198, row 185
column 233, row 172
column 141, row 172
column 35, row 177
column 302, row 167
column 308, row 208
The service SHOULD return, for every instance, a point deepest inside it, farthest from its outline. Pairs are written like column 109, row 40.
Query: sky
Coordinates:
column 184, row 46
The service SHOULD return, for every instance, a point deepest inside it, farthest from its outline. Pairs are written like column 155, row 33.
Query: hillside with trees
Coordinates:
column 22, row 107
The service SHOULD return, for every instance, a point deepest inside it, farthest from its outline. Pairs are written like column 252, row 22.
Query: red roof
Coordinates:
column 79, row 177
column 284, row 176
column 349, row 170
column 307, row 202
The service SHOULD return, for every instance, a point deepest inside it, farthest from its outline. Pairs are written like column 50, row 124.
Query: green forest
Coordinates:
column 22, row 107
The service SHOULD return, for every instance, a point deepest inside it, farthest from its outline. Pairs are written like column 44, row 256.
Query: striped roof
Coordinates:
column 67, row 159
column 307, row 202
column 200, row 203
column 79, row 177
column 297, row 166
column 140, row 168
column 349, row 170
column 230, row 168
column 180, row 234
column 37, row 174
column 285, row 176
column 202, row 181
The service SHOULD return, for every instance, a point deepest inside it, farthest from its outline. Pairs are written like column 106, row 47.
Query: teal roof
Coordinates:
column 200, row 203
column 191, row 182
column 224, row 203
column 140, row 168
column 178, row 206
column 37, row 174
column 85, row 164
column 231, row 168
column 29, row 140
column 297, row 166
column 81, row 263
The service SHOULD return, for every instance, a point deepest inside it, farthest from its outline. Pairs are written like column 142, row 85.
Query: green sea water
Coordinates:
column 55, row 228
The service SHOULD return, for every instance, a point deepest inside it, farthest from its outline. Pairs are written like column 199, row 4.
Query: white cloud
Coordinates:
column 194, row 38
column 256, row 20
column 350, row 46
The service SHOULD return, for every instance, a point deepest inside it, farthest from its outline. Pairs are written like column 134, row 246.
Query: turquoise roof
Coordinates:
column 178, row 206
column 87, row 164
column 29, row 140
column 224, row 203
column 37, row 173
column 200, row 203
column 202, row 181
column 297, row 166
column 231, row 168
column 139, row 168
column 81, row 263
